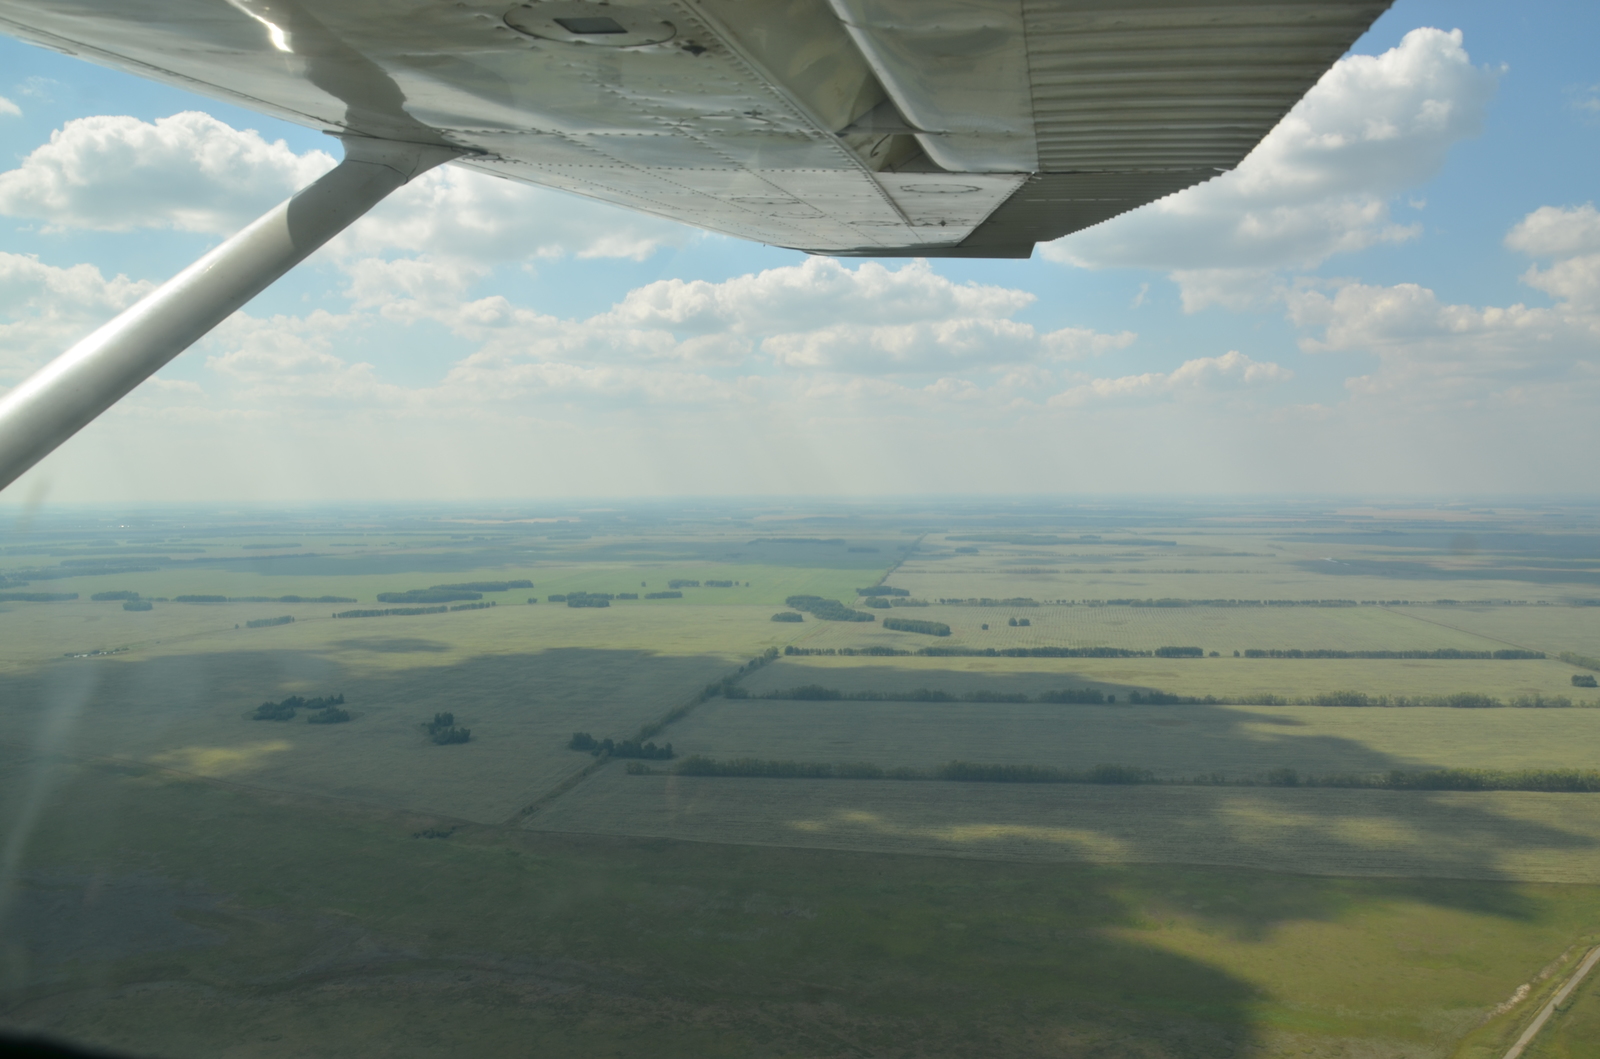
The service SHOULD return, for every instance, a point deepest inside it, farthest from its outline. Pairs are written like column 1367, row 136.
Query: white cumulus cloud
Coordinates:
column 44, row 309
column 189, row 171
column 453, row 211
column 1317, row 185
column 1232, row 370
column 9, row 109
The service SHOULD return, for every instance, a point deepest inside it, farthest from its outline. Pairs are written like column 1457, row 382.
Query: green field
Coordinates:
column 1173, row 741
column 1221, row 677
column 230, row 922
column 184, row 880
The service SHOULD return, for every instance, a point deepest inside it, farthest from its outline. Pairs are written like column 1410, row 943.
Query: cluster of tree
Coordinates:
column 788, row 615
column 876, row 604
column 1180, row 652
column 36, row 597
column 882, row 590
column 1014, row 622
column 927, row 628
column 475, row 606
column 827, row 609
column 203, row 599
column 285, row 710
column 627, row 595
column 262, row 623
column 587, row 601
column 330, row 715
column 679, row 582
column 429, row 595
column 1441, row 653
column 1572, row 658
column 1584, row 680
column 718, row 584
column 483, row 586
column 105, row 597
column 626, row 748
column 138, row 604
column 898, row 602
column 443, row 731
column 391, row 611
column 985, row 601
column 663, row 595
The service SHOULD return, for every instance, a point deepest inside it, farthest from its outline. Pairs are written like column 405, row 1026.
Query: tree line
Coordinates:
column 1548, row 780
column 1439, row 653
column 469, row 590
column 819, row 693
column 977, row 652
column 1095, row 697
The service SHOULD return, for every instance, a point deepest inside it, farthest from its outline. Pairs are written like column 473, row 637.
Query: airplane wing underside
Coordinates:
column 857, row 127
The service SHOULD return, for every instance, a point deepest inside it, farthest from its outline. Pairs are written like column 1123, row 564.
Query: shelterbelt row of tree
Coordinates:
column 1549, row 780
column 1436, row 654
column 1465, row 700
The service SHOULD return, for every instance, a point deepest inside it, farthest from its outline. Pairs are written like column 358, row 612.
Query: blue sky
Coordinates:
column 1399, row 294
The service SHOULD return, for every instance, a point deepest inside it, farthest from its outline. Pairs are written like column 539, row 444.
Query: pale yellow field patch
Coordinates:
column 216, row 762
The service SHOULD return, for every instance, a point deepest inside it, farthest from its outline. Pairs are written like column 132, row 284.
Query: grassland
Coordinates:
column 277, row 903
column 1221, row 677
column 253, row 924
column 1496, row 835
column 1173, row 741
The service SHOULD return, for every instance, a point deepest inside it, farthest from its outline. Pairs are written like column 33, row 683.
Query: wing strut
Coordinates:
column 68, row 393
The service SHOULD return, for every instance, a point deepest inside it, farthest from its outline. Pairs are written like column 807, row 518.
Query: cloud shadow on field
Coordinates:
column 907, row 953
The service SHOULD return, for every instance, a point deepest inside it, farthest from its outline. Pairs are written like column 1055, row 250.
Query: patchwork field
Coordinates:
column 185, row 880
column 1173, row 741
column 1221, row 677
column 1516, row 836
column 199, row 919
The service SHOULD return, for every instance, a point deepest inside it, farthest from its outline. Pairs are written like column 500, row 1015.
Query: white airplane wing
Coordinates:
column 970, row 128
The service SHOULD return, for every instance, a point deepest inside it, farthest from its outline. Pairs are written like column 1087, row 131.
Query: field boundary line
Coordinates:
column 898, row 563
column 555, row 792
column 1556, row 1001
column 1469, row 632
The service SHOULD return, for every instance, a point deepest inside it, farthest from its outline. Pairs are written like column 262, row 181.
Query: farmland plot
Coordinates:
column 1224, row 629
column 1241, row 742
column 192, row 713
column 1221, row 677
column 1499, row 835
